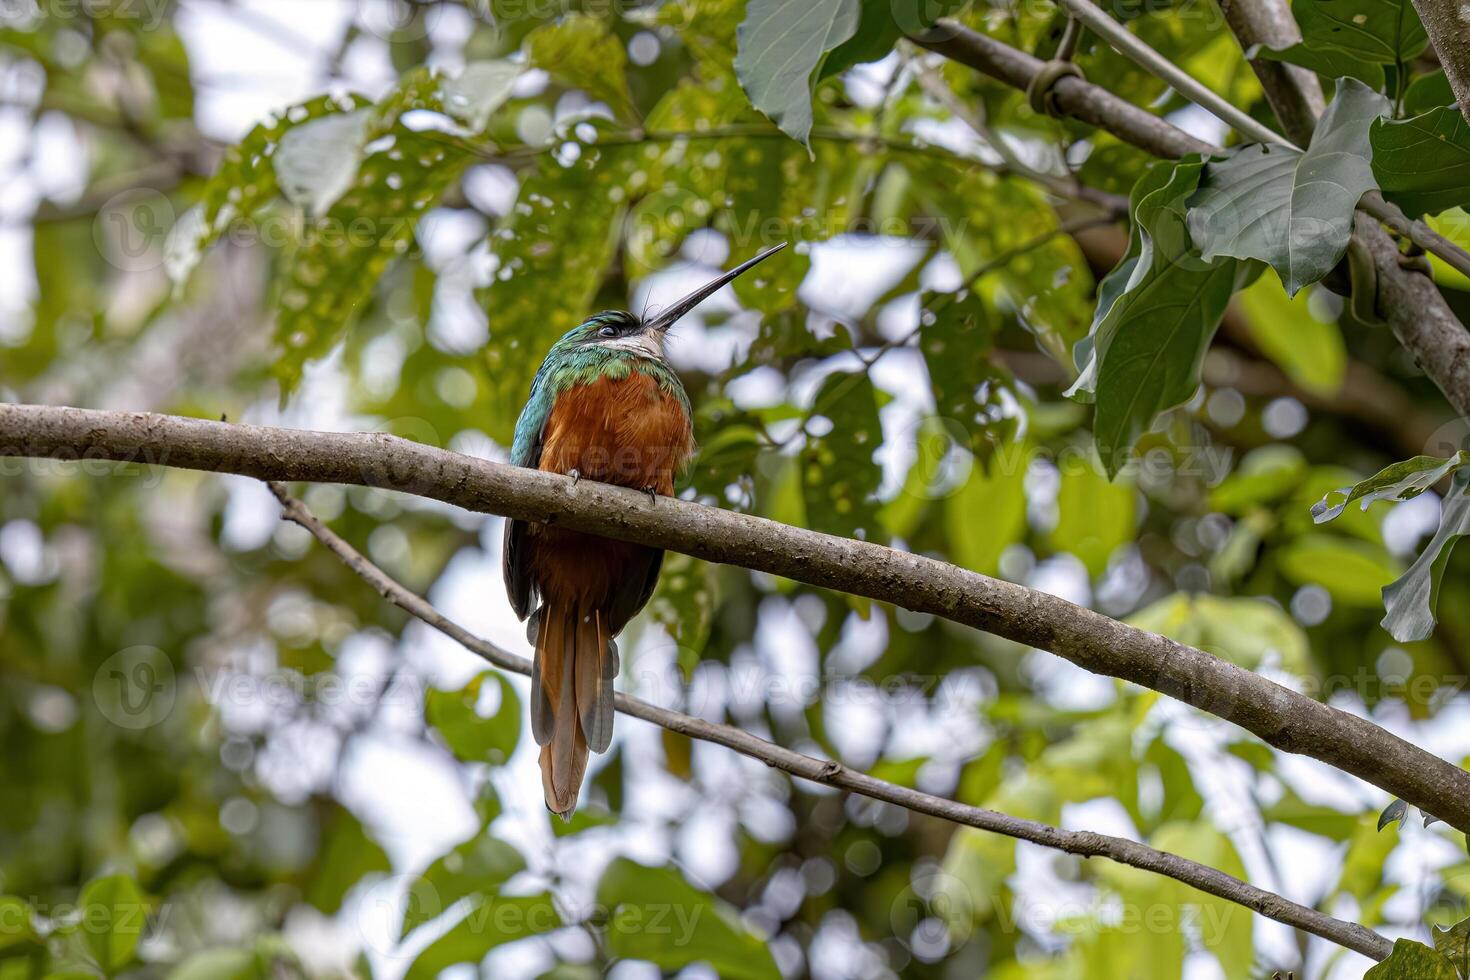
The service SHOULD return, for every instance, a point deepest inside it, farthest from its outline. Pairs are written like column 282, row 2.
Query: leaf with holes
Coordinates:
column 1454, row 943
column 957, row 337
column 684, row 604
column 1401, row 481
column 782, row 44
column 1423, row 163
column 335, row 269
column 581, row 52
column 476, row 93
column 1157, row 312
column 1291, row 209
column 839, row 478
column 551, row 253
column 245, row 181
column 1413, row 961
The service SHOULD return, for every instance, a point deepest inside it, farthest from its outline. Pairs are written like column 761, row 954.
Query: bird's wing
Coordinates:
column 525, row 451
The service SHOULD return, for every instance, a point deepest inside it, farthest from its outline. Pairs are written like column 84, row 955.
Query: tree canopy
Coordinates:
column 1150, row 308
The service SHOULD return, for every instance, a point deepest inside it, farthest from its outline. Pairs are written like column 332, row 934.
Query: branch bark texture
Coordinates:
column 1448, row 24
column 1286, row 719
column 1082, row 843
column 1408, row 300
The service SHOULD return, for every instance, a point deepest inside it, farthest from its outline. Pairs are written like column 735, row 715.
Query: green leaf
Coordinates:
column 1400, row 481
column 987, row 513
column 581, row 52
column 551, row 253
column 1330, row 63
column 1293, row 210
column 476, row 93
column 880, row 24
column 334, row 272
column 957, row 338
column 1413, row 961
column 1429, row 92
column 1423, row 163
column 1454, row 944
column 472, row 737
column 1264, row 475
column 782, row 44
column 685, row 602
column 220, row 964
column 245, row 181
column 1410, row 601
column 839, row 478
column 1385, row 32
column 657, row 916
column 16, row 922
column 114, row 913
column 317, row 161
column 1308, row 348
column 478, row 867
column 1157, row 312
column 494, row 921
column 1243, row 630
column 1314, row 818
column 1354, row 572
column 1225, row 929
column 1095, row 517
column 346, row 856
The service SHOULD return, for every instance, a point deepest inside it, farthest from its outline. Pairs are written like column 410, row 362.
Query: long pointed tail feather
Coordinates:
column 571, row 697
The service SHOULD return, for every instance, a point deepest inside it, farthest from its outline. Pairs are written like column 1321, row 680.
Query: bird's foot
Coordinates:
column 652, row 494
column 576, row 476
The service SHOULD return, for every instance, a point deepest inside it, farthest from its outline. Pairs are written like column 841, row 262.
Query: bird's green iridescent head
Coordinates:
column 616, row 332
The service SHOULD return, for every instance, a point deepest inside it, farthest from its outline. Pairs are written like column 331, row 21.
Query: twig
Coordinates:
column 1286, row 719
column 832, row 773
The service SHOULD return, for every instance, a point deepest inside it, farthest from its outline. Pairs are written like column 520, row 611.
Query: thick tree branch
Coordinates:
column 1448, row 24
column 1286, row 719
column 1408, row 300
column 831, row 773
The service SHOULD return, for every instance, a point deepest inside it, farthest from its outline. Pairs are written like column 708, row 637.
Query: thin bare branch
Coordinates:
column 831, row 773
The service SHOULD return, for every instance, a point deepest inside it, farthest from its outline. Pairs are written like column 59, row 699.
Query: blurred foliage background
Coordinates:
column 224, row 756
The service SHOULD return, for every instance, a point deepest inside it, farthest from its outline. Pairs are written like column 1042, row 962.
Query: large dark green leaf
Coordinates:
column 1293, row 210
column 657, row 916
column 1423, row 163
column 782, row 43
column 1413, row 961
column 1328, row 62
column 880, row 25
column 1157, row 312
column 1385, row 32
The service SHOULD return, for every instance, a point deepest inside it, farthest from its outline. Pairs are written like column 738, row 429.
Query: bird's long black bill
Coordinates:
column 667, row 318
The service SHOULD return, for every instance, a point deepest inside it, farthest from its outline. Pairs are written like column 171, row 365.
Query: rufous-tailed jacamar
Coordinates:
column 605, row 406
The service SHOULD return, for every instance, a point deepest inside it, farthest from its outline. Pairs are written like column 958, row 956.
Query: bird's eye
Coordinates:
column 608, row 332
